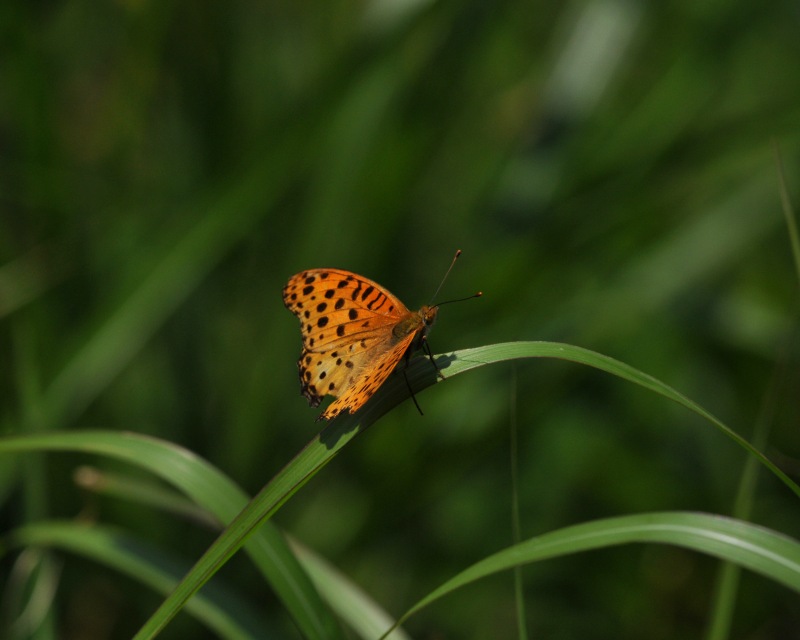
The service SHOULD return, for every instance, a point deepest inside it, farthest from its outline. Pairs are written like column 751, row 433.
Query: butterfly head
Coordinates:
column 419, row 324
column 428, row 315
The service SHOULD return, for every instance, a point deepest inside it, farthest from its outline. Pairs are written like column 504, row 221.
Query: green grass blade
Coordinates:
column 346, row 599
column 788, row 210
column 350, row 602
column 144, row 491
column 29, row 595
column 217, row 607
column 214, row 492
column 724, row 599
column 319, row 452
column 760, row 550
column 340, row 432
column 467, row 359
column 516, row 527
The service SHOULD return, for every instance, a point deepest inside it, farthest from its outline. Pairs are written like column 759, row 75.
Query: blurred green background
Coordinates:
column 607, row 169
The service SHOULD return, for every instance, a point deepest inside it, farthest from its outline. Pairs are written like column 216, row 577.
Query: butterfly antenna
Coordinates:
column 477, row 294
column 450, row 268
column 447, row 273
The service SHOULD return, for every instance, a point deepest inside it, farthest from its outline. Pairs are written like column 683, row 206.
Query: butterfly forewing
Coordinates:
column 336, row 306
column 354, row 334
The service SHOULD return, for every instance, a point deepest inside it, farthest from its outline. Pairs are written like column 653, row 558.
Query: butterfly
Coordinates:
column 355, row 332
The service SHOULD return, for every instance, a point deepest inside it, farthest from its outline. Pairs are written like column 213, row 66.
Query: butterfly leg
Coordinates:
column 411, row 391
column 407, row 358
column 426, row 347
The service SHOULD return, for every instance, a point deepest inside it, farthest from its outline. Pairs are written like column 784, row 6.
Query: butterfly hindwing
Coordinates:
column 335, row 371
column 362, row 387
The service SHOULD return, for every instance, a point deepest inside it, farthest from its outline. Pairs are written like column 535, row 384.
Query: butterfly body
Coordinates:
column 354, row 331
column 419, row 321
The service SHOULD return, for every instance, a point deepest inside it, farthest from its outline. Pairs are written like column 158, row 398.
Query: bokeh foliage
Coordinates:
column 607, row 169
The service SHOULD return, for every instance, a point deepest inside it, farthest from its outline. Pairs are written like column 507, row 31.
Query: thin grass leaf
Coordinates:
column 340, row 432
column 788, row 210
column 314, row 456
column 467, row 359
column 214, row 492
column 346, row 599
column 723, row 604
column 756, row 548
column 321, row 450
column 28, row 597
column 153, row 495
column 217, row 607
column 351, row 603
column 516, row 527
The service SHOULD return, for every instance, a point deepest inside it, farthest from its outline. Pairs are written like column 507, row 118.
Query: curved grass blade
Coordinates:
column 788, row 210
column 351, row 603
column 461, row 361
column 218, row 608
column 756, row 548
column 340, row 432
column 214, row 492
column 313, row 457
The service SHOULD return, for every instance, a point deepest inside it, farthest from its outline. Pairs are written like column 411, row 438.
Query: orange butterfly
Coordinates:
column 355, row 333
